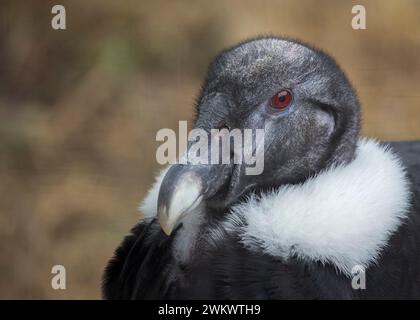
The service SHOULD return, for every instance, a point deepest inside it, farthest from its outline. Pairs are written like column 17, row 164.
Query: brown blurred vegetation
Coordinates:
column 79, row 110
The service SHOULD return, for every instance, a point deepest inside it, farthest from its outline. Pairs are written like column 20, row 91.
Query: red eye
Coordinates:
column 281, row 99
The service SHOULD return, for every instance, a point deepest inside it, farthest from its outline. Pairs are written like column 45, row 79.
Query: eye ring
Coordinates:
column 281, row 100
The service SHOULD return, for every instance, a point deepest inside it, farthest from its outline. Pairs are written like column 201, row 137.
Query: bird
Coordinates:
column 330, row 209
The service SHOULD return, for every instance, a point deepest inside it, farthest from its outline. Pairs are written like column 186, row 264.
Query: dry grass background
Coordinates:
column 79, row 110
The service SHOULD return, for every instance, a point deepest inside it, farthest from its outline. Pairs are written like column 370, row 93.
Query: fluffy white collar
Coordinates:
column 345, row 215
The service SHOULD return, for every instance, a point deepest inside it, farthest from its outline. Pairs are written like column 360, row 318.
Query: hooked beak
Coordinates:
column 184, row 188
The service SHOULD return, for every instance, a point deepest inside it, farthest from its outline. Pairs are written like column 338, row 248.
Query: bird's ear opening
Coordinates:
column 328, row 119
column 331, row 110
column 344, row 136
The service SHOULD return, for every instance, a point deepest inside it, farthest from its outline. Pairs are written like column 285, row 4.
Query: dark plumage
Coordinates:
column 211, row 258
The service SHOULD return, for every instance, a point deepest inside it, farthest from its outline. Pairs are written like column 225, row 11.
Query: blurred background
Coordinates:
column 80, row 108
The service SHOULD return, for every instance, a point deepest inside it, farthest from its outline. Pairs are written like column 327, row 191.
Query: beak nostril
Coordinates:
column 226, row 143
column 223, row 126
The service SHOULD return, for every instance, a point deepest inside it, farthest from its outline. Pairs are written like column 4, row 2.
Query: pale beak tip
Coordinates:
column 164, row 222
column 179, row 195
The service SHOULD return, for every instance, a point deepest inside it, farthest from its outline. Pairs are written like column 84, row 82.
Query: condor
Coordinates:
column 328, row 200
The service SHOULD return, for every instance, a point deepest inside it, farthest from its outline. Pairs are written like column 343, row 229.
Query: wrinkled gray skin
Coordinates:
column 318, row 129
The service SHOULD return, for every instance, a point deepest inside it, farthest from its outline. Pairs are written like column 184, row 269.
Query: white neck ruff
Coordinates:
column 345, row 215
